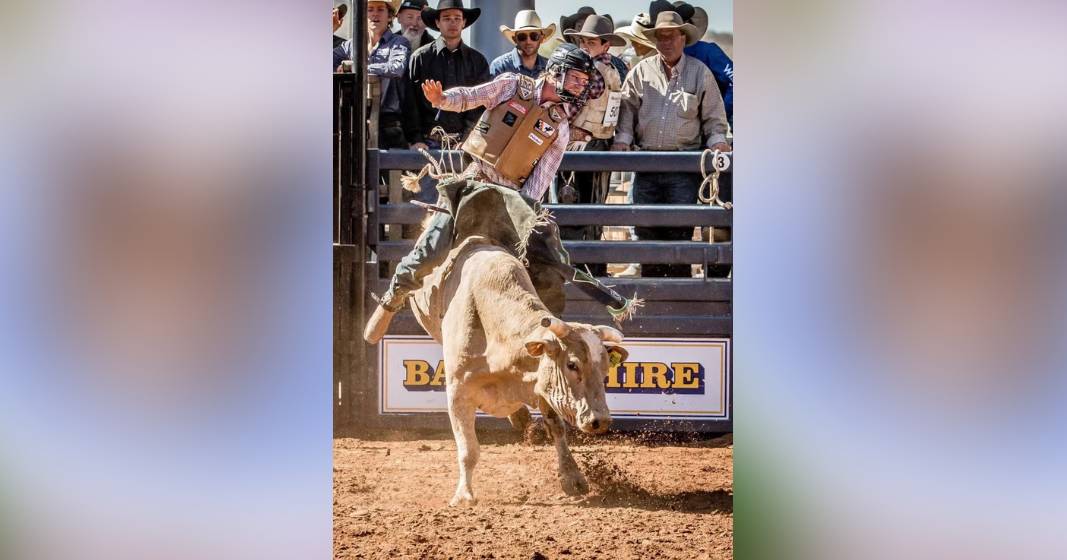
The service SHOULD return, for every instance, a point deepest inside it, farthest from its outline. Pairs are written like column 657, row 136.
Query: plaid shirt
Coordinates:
column 494, row 93
column 596, row 82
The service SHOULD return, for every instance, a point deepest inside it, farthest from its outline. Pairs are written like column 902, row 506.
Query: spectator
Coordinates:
column 452, row 63
column 594, row 126
column 527, row 37
column 670, row 103
column 639, row 44
column 339, row 12
column 723, row 68
column 411, row 25
column 386, row 60
column 709, row 53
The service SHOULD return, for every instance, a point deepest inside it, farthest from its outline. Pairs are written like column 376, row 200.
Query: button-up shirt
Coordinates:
column 721, row 66
column 499, row 91
column 387, row 61
column 512, row 62
column 461, row 67
column 671, row 112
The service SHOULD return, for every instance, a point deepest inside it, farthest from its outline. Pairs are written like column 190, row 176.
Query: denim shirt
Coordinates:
column 387, row 61
column 721, row 67
column 511, row 62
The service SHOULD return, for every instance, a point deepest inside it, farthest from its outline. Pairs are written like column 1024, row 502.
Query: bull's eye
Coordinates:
column 572, row 365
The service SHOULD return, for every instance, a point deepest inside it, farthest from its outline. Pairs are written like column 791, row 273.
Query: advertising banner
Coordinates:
column 662, row 378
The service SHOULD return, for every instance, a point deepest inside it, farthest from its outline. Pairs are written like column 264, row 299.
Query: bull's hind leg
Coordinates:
column 571, row 479
column 461, row 413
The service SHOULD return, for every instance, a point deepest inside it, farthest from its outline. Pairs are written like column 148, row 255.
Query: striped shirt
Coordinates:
column 671, row 113
column 491, row 94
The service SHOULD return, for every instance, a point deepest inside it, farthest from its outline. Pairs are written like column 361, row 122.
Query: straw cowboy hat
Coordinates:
column 598, row 26
column 634, row 31
column 394, row 5
column 429, row 15
column 671, row 20
column 527, row 20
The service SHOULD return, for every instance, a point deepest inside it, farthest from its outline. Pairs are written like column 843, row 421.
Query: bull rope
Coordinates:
column 720, row 162
column 436, row 168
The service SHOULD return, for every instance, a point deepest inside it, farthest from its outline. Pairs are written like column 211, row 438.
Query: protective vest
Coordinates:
column 514, row 135
column 600, row 115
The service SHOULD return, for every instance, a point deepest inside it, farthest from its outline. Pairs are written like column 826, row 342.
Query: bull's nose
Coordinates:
column 599, row 425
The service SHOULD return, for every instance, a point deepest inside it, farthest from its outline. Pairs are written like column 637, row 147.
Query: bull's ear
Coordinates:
column 542, row 344
column 616, row 353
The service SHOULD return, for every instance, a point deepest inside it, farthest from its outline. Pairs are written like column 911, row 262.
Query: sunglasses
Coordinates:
column 535, row 36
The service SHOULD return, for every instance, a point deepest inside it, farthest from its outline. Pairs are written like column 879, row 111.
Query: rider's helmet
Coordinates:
column 570, row 57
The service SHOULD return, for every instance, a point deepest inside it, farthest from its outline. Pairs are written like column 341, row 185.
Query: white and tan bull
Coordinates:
column 504, row 351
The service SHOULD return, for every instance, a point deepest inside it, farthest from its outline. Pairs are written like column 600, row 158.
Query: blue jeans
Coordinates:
column 665, row 188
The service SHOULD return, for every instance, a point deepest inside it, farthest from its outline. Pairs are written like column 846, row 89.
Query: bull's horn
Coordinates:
column 609, row 334
column 558, row 327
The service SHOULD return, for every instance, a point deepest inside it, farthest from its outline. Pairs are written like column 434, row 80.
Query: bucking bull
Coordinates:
column 505, row 350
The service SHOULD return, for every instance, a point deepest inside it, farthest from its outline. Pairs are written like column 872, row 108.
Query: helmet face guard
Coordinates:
column 569, row 57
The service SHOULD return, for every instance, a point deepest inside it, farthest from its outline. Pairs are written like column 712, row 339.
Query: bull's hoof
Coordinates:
column 574, row 485
column 463, row 498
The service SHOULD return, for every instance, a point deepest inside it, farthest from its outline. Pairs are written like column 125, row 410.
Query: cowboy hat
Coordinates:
column 598, row 26
column 567, row 22
column 671, row 20
column 394, row 5
column 429, row 15
column 699, row 17
column 527, row 20
column 682, row 8
column 633, row 31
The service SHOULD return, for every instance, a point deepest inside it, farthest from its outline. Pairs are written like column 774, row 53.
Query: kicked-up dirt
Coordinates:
column 651, row 496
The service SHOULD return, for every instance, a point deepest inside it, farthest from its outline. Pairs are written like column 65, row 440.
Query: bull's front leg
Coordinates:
column 571, row 479
column 461, row 413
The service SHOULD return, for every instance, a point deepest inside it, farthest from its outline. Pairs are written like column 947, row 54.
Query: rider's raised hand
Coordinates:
column 433, row 91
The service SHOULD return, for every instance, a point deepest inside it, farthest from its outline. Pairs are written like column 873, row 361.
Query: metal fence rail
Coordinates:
column 651, row 162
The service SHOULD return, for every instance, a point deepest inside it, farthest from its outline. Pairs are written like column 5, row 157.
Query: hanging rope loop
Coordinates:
column 709, row 187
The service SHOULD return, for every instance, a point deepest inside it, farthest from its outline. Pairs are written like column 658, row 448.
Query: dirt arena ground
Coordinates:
column 650, row 497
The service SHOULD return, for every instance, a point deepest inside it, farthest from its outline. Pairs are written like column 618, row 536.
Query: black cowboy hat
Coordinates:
column 429, row 15
column 681, row 8
column 567, row 22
